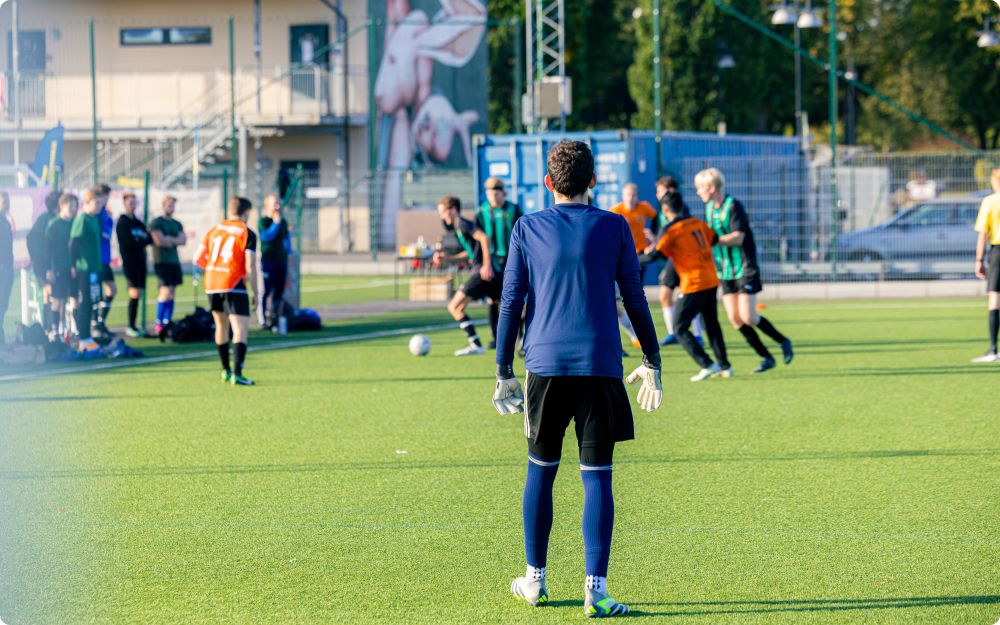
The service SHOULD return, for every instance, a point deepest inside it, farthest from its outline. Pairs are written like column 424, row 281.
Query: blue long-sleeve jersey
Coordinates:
column 107, row 229
column 564, row 261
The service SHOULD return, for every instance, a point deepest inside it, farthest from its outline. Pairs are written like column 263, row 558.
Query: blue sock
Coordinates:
column 536, row 508
column 168, row 310
column 159, row 311
column 598, row 518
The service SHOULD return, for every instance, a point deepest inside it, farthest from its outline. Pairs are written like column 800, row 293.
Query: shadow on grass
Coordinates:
column 868, row 372
column 809, row 605
column 398, row 464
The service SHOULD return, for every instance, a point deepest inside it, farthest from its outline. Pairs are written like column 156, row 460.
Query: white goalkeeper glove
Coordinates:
column 508, row 398
column 651, row 392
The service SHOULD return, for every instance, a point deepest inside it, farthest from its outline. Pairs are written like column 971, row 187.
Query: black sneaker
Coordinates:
column 765, row 365
column 164, row 332
column 491, row 345
column 786, row 351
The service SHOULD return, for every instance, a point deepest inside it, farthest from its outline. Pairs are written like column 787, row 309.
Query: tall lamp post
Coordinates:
column 723, row 61
column 809, row 18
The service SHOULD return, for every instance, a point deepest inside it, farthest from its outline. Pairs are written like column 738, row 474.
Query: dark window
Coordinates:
column 179, row 36
column 191, row 36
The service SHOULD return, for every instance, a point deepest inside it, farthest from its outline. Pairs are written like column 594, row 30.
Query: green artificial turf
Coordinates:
column 360, row 484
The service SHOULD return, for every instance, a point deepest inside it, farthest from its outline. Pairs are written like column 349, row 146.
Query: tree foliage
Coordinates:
column 922, row 54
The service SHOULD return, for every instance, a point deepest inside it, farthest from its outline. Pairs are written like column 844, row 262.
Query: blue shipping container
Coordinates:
column 762, row 171
column 620, row 157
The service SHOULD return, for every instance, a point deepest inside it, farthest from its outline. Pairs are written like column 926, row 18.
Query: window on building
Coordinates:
column 178, row 36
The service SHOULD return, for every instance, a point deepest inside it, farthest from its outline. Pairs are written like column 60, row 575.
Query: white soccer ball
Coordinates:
column 420, row 345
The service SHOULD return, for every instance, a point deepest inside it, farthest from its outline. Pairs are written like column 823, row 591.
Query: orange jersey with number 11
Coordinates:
column 223, row 256
column 689, row 242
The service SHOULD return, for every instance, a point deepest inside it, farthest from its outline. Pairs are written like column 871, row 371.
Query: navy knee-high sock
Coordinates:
column 598, row 518
column 536, row 508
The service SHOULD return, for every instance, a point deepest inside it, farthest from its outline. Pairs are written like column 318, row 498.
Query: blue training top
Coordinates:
column 107, row 227
column 566, row 260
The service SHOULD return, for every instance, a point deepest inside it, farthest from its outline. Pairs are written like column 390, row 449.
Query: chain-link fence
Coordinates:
column 896, row 216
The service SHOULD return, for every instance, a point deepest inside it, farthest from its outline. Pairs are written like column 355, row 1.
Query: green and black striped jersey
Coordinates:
column 498, row 223
column 739, row 262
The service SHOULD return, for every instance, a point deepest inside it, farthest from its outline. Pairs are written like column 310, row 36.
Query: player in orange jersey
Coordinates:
column 688, row 241
column 637, row 214
column 228, row 257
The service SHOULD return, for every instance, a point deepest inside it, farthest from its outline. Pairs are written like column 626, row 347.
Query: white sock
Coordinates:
column 626, row 325
column 535, row 573
column 598, row 583
column 696, row 325
column 668, row 318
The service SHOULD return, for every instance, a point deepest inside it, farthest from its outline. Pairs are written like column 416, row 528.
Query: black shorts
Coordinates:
column 135, row 273
column 62, row 286
column 668, row 275
column 993, row 273
column 476, row 288
column 169, row 274
column 749, row 285
column 231, row 303
column 599, row 406
column 107, row 275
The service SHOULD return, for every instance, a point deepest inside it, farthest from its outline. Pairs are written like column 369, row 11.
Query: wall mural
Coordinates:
column 430, row 91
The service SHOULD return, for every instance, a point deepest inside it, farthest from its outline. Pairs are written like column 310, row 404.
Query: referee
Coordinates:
column 565, row 261
column 988, row 227
column 133, row 238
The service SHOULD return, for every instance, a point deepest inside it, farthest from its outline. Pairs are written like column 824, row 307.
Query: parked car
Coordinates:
column 933, row 230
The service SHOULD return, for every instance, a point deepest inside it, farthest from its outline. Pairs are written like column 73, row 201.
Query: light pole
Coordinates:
column 723, row 60
column 988, row 37
column 785, row 15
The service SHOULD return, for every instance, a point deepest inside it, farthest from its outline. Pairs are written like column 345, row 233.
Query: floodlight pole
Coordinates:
column 15, row 90
column 93, row 102
column 832, row 74
column 799, row 126
column 657, row 85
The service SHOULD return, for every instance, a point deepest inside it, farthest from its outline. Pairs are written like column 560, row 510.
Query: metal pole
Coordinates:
column 518, row 61
column 242, row 155
column 529, row 70
column 832, row 74
column 657, row 84
column 225, row 191
column 373, row 179
column 798, row 83
column 232, row 101
column 93, row 102
column 257, row 47
column 145, row 221
column 15, row 88
column 562, row 68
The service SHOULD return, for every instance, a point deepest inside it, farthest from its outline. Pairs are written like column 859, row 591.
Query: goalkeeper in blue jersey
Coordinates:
column 564, row 263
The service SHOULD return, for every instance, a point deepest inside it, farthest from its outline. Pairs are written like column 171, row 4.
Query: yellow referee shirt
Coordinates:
column 988, row 221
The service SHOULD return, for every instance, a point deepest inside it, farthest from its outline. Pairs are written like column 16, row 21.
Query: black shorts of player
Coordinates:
column 62, row 286
column 599, row 406
column 169, row 274
column 749, row 285
column 993, row 273
column 668, row 276
column 230, row 303
column 135, row 273
column 106, row 274
column 476, row 288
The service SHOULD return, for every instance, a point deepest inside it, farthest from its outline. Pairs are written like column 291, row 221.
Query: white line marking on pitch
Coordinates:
column 135, row 362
